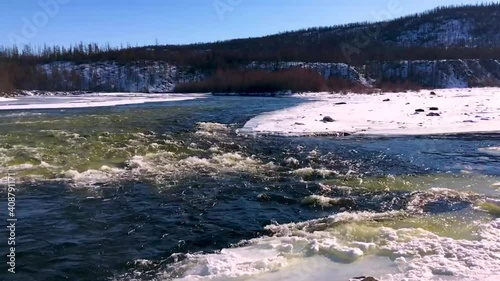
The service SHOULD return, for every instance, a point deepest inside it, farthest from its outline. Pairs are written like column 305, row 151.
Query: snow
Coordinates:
column 90, row 100
column 140, row 76
column 161, row 77
column 327, row 70
column 351, row 244
column 460, row 110
column 443, row 33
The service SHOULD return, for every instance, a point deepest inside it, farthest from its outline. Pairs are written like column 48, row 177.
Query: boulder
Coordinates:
column 433, row 94
column 363, row 278
column 433, row 114
column 433, row 108
column 328, row 119
column 419, row 110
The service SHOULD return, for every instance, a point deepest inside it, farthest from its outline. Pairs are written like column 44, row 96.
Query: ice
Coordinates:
column 91, row 100
column 352, row 247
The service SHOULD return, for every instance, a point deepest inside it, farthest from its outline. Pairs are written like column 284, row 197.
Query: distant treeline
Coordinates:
column 27, row 72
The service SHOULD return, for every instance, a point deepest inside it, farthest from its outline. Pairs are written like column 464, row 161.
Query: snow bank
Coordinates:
column 90, row 100
column 353, row 244
column 415, row 113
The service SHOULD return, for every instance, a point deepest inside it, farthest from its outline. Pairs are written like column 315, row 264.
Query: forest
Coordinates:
column 29, row 67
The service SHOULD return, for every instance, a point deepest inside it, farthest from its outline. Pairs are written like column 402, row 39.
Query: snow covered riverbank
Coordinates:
column 90, row 100
column 445, row 111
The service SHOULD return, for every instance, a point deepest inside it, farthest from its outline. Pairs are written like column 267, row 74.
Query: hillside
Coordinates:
column 424, row 49
column 465, row 32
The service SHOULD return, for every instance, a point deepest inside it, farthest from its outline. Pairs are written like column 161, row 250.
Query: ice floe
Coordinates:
column 90, row 100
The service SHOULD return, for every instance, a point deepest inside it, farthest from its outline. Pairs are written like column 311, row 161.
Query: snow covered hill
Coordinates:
column 436, row 74
column 469, row 26
column 157, row 77
column 141, row 76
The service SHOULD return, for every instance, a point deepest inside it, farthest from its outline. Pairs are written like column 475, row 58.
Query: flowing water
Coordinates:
column 171, row 191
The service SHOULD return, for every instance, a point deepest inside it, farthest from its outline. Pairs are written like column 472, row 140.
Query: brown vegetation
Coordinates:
column 258, row 81
column 6, row 85
column 398, row 86
column 295, row 80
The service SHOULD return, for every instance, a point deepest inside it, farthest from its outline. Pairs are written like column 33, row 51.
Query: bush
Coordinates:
column 489, row 82
column 342, row 85
column 6, row 85
column 398, row 86
column 258, row 81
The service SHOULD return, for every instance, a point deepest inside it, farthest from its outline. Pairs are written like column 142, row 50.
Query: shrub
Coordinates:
column 398, row 86
column 258, row 81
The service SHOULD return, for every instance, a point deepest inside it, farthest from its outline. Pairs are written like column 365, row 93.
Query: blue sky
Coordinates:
column 142, row 22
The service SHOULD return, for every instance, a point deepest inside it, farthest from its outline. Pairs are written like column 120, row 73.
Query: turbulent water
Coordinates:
column 171, row 191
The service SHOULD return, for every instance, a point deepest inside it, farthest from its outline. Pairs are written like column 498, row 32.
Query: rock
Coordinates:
column 407, row 103
column 386, row 100
column 340, row 103
column 291, row 162
column 433, row 114
column 328, row 119
column 419, row 110
column 299, row 124
column 363, row 278
column 433, row 108
column 433, row 94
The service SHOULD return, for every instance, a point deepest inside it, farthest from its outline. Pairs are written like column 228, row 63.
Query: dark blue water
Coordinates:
column 97, row 233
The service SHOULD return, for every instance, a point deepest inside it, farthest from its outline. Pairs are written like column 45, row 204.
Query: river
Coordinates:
column 169, row 190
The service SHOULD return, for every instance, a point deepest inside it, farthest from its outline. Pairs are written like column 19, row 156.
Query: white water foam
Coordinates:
column 494, row 150
column 160, row 167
